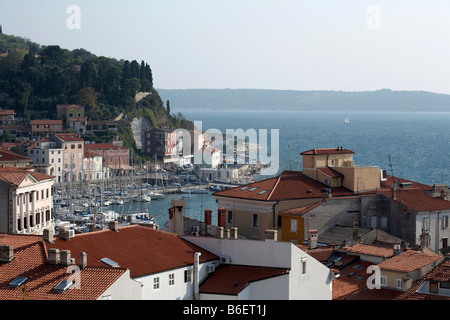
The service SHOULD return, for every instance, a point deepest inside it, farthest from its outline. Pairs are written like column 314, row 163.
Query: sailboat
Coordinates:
column 347, row 120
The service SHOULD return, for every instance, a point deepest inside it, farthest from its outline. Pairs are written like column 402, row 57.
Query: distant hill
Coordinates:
column 291, row 100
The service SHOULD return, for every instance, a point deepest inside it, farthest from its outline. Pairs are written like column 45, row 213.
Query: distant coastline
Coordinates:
column 290, row 100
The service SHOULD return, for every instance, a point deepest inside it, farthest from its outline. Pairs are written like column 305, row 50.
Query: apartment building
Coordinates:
column 47, row 158
column 73, row 147
column 26, row 201
column 45, row 127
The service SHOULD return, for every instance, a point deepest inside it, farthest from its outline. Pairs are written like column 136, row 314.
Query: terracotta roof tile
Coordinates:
column 440, row 273
column 232, row 279
column 68, row 137
column 327, row 151
column 141, row 249
column 351, row 280
column 30, row 260
column 409, row 261
column 287, row 185
column 412, row 294
column 16, row 175
column 102, row 146
column 373, row 250
column 300, row 210
column 330, row 172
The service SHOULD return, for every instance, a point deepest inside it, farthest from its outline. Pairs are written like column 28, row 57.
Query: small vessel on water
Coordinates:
column 347, row 120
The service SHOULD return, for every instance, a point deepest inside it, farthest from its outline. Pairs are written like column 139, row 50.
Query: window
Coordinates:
column 426, row 224
column 255, row 220
column 444, row 222
column 399, row 283
column 156, row 283
column 444, row 285
column 433, row 287
column 303, row 262
column 187, row 275
column 444, row 243
column 230, row 217
column 293, row 225
column 171, row 279
column 383, row 281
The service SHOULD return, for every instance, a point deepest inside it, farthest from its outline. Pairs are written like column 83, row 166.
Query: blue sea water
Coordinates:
column 417, row 143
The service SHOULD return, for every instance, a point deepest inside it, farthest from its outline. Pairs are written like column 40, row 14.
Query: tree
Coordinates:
column 168, row 107
column 88, row 98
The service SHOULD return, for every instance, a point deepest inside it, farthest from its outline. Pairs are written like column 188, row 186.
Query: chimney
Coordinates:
column 196, row 275
column 178, row 216
column 313, row 238
column 221, row 217
column 397, row 249
column 48, row 235
column 82, row 260
column 53, row 256
column 394, row 188
column 355, row 230
column 220, row 232
column 208, row 214
column 64, row 232
column 114, row 226
column 64, row 257
column 270, row 235
column 6, row 253
column 234, row 233
column 227, row 233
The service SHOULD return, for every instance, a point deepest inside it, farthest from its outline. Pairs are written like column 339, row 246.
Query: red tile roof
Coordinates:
column 330, row 172
column 412, row 294
column 30, row 260
column 373, row 250
column 16, row 175
column 232, row 279
column 300, row 210
column 441, row 273
column 141, row 249
column 327, row 151
column 409, row 261
column 103, row 146
column 46, row 122
column 288, row 185
column 7, row 155
column 418, row 200
column 68, row 137
column 351, row 280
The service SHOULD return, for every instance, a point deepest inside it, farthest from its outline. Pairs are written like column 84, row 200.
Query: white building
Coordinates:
column 48, row 158
column 93, row 169
column 26, row 201
column 287, row 272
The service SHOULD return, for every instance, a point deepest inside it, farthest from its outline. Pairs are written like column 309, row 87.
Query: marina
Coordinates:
column 140, row 202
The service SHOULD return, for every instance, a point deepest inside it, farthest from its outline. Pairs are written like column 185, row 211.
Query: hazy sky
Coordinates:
column 349, row 45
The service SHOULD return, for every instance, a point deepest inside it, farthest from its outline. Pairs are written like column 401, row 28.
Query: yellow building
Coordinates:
column 264, row 205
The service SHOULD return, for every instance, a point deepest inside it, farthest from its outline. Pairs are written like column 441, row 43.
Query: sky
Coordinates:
column 348, row 45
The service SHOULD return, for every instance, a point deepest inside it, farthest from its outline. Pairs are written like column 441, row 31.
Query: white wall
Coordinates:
column 124, row 288
column 315, row 284
column 179, row 291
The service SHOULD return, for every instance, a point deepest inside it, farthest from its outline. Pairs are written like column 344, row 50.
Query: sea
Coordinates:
column 413, row 146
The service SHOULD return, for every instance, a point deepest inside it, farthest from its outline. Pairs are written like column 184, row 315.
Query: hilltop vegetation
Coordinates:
column 35, row 78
